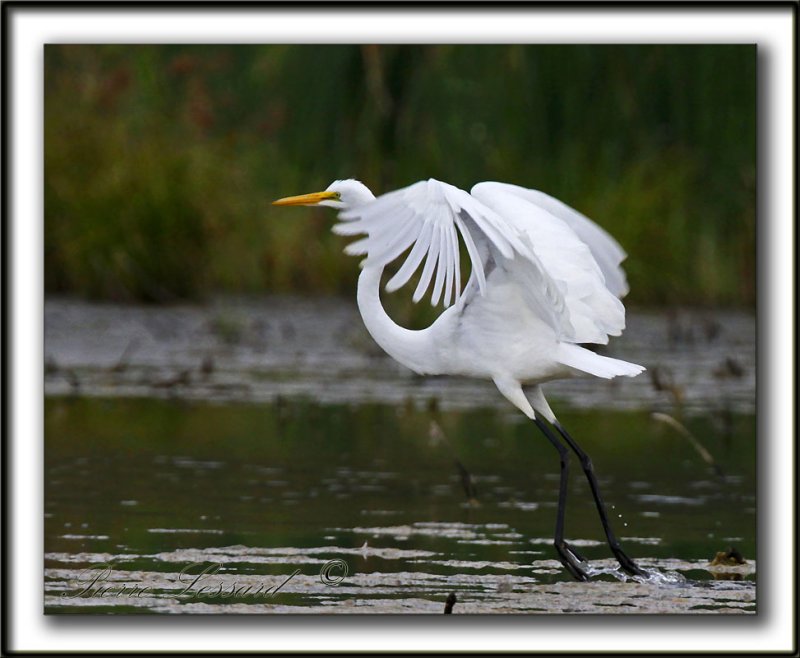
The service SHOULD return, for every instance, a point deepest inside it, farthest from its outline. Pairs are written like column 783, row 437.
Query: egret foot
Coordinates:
column 571, row 561
column 627, row 564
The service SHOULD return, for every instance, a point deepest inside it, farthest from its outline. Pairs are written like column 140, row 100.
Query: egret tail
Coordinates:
column 580, row 358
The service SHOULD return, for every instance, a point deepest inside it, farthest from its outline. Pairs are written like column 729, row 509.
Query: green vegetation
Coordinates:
column 161, row 161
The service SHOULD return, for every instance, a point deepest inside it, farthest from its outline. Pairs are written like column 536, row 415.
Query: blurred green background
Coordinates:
column 161, row 161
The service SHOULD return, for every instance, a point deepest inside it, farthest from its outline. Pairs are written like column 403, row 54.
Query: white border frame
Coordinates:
column 771, row 28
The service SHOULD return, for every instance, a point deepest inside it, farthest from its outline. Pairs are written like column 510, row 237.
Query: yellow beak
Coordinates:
column 306, row 199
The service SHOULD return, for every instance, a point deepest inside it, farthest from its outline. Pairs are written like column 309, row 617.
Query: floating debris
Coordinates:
column 730, row 368
column 729, row 558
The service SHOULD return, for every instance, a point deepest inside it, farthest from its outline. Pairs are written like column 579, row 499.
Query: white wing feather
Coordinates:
column 594, row 309
column 430, row 215
column 605, row 249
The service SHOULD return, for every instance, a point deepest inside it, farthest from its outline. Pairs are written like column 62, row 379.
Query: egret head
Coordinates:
column 340, row 194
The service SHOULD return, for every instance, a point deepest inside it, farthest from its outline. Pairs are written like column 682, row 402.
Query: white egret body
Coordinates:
column 544, row 279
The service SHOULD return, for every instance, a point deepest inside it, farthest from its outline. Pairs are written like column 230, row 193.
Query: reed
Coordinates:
column 161, row 161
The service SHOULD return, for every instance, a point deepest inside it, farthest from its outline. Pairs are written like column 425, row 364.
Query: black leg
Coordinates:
column 569, row 558
column 625, row 562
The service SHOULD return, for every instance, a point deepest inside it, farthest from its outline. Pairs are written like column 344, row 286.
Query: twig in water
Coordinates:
column 122, row 362
column 681, row 429
column 466, row 482
column 437, row 435
column 664, row 381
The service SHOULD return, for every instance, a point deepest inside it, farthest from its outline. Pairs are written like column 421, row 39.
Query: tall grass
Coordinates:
column 161, row 161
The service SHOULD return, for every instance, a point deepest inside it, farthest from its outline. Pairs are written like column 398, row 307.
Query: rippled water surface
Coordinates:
column 236, row 458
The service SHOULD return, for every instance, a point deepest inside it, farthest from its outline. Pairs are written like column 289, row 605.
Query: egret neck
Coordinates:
column 413, row 348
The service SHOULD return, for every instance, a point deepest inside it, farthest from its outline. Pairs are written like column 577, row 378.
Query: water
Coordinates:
column 152, row 493
column 185, row 474
column 263, row 350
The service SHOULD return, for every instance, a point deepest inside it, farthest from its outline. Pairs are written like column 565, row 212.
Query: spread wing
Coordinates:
column 606, row 251
column 579, row 256
column 430, row 217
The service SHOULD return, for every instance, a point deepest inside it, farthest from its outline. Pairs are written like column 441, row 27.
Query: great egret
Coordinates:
column 544, row 279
